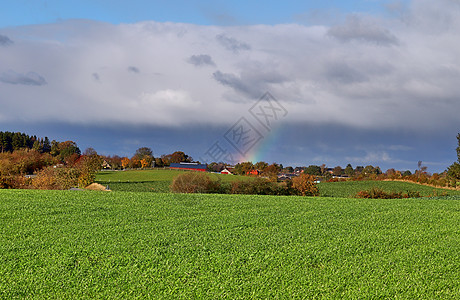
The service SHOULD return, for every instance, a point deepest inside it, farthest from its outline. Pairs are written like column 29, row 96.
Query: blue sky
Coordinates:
column 26, row 12
column 362, row 82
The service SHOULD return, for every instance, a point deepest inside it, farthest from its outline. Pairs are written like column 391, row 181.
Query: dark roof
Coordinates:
column 191, row 166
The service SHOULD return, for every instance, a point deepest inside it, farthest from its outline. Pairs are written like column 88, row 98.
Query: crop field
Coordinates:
column 79, row 244
column 157, row 180
column 347, row 189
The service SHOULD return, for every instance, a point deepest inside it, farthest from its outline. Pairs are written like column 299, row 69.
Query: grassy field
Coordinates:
column 157, row 180
column 65, row 244
column 350, row 188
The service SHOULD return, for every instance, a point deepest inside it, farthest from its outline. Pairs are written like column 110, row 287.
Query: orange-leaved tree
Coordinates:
column 306, row 185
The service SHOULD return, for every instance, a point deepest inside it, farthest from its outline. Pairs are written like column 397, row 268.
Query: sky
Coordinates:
column 299, row 83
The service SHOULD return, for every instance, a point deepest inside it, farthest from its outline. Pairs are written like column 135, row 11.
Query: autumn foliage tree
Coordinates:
column 305, row 184
column 125, row 162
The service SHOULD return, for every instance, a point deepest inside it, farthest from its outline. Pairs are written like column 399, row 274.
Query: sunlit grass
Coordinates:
column 64, row 244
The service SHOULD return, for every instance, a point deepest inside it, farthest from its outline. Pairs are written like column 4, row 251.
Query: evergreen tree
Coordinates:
column 46, row 145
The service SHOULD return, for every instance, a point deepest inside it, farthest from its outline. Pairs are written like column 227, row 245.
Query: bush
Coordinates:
column 56, row 178
column 258, row 186
column 194, row 182
column 378, row 193
column 306, row 185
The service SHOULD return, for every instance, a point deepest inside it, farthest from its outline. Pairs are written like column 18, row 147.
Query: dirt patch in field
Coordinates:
column 97, row 187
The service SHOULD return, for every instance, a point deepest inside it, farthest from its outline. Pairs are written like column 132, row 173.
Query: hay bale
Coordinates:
column 96, row 187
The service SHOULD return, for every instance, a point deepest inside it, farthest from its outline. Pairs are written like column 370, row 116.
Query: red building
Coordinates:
column 253, row 172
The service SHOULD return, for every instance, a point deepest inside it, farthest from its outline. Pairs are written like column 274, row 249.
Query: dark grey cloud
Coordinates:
column 357, row 28
column 30, row 78
column 201, row 60
column 133, row 69
column 344, row 73
column 96, row 76
column 232, row 44
column 5, row 41
column 251, row 83
column 233, row 81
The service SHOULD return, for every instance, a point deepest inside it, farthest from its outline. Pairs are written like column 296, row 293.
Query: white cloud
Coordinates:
column 92, row 71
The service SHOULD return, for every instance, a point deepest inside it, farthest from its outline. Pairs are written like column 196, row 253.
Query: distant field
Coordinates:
column 347, row 189
column 64, row 244
column 157, row 180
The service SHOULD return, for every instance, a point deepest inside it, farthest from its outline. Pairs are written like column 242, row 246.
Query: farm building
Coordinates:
column 188, row 166
column 227, row 171
column 253, row 172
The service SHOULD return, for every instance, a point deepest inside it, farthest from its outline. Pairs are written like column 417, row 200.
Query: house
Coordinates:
column 188, row 166
column 253, row 172
column 227, row 171
column 106, row 165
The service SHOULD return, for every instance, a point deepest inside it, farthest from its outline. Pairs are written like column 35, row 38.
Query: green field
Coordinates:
column 348, row 189
column 65, row 244
column 157, row 180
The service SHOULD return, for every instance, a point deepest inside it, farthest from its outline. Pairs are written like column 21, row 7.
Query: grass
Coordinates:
column 157, row 180
column 350, row 188
column 64, row 244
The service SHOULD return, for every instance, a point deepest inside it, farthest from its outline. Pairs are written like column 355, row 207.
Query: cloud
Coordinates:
column 232, row 44
column 5, row 41
column 363, row 77
column 30, row 78
column 201, row 60
column 251, row 82
column 133, row 69
column 357, row 28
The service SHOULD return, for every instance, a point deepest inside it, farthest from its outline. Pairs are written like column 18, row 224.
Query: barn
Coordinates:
column 188, row 166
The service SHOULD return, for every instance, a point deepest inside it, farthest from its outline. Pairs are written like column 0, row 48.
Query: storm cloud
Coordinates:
column 232, row 44
column 5, row 41
column 30, row 78
column 367, row 73
column 201, row 60
column 359, row 29
column 133, row 69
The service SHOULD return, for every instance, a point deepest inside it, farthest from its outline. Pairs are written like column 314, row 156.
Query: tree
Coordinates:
column 453, row 171
column 261, row 166
column 407, row 173
column 313, row 170
column 337, row 171
column 143, row 152
column 125, row 162
column 54, row 150
column 46, row 145
column 37, row 146
column 67, row 149
column 243, row 168
column 159, row 162
column 288, row 169
column 458, row 148
column 349, row 170
column 323, row 169
column 306, row 185
column 420, row 168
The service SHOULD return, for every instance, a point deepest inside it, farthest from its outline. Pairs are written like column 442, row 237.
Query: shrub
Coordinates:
column 378, row 193
column 258, row 186
column 306, row 185
column 194, row 182
column 56, row 178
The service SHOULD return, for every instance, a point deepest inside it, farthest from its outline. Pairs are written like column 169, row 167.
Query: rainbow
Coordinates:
column 259, row 152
